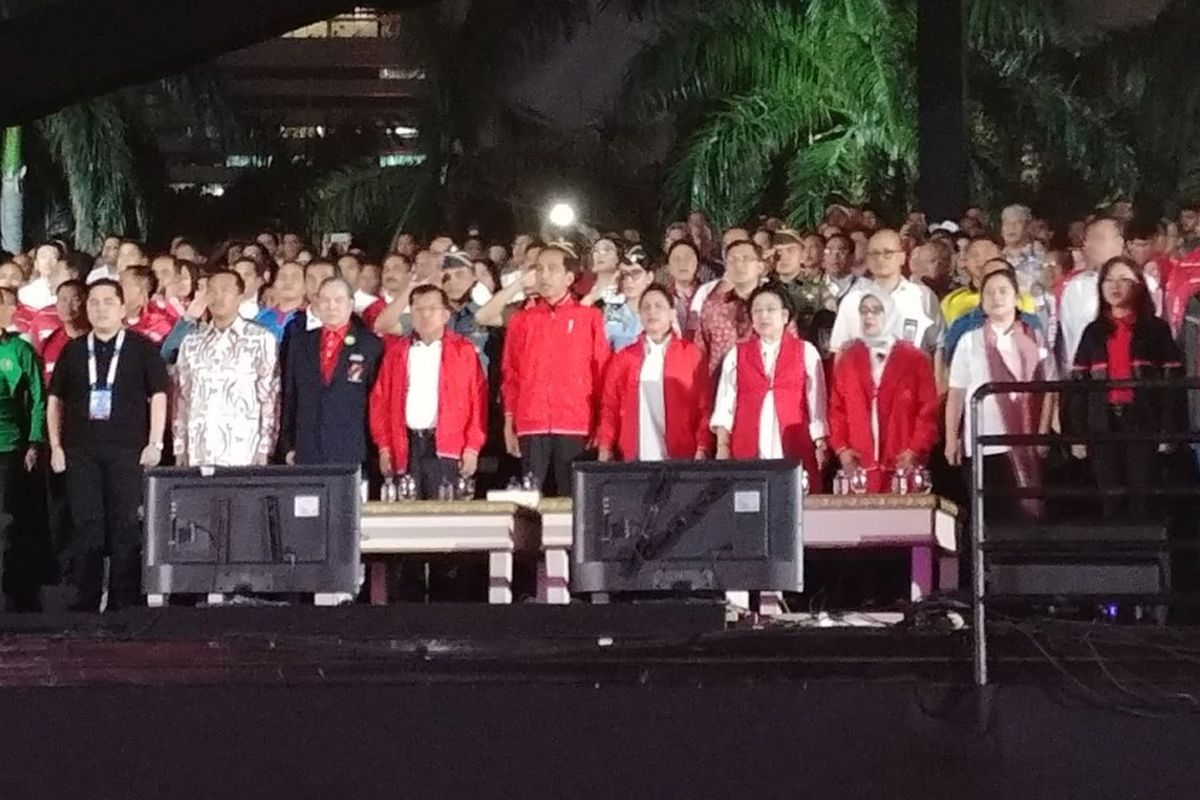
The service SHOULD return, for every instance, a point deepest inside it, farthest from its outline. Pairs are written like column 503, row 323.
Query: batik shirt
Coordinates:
column 227, row 398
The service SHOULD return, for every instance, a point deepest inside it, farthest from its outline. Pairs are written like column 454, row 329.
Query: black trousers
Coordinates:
column 425, row 467
column 1133, row 465
column 548, row 459
column 10, row 473
column 104, row 490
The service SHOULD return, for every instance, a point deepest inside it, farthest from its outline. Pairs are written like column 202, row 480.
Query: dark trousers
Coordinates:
column 104, row 489
column 425, row 467
column 548, row 459
column 1133, row 465
column 10, row 473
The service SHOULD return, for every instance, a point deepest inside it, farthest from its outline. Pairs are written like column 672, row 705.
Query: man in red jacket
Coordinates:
column 428, row 410
column 555, row 353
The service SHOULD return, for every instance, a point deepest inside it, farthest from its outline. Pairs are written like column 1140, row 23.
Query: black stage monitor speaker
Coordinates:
column 680, row 526
column 254, row 529
column 1078, row 559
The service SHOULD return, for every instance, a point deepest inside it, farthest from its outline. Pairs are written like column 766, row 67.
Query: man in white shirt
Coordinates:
column 47, row 274
column 253, row 276
column 918, row 318
column 1102, row 241
column 129, row 254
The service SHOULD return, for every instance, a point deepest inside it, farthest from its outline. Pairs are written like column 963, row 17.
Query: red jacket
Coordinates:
column 36, row 324
column 1183, row 282
column 553, row 368
column 789, row 385
column 687, row 397
column 907, row 409
column 462, row 400
column 151, row 323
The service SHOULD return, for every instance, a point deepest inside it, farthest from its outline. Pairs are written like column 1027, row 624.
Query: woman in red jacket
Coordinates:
column 771, row 395
column 883, row 404
column 657, row 392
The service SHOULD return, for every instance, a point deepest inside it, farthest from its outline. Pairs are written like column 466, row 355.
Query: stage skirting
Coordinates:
column 922, row 524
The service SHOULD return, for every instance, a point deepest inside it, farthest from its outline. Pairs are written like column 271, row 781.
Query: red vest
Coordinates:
column 687, row 397
column 907, row 409
column 791, row 403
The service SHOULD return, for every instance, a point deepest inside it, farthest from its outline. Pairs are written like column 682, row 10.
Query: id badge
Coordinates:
column 100, row 404
column 354, row 369
column 910, row 331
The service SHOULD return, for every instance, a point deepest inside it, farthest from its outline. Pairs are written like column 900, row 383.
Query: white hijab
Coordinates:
column 886, row 337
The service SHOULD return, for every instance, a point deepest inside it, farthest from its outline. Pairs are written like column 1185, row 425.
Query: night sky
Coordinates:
column 579, row 84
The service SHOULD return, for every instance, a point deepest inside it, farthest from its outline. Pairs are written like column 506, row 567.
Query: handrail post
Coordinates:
column 978, row 582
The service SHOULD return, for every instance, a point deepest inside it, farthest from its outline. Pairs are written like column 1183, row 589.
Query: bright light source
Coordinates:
column 562, row 215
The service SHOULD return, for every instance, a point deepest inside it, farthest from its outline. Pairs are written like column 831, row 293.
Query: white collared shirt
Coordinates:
column 248, row 309
column 36, row 294
column 878, row 357
column 918, row 318
column 702, row 294
column 363, row 301
column 424, row 370
column 770, row 443
column 100, row 272
column 1079, row 307
column 652, row 407
column 311, row 320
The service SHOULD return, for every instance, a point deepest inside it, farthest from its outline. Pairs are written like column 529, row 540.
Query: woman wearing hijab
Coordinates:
column 1009, row 350
column 771, row 392
column 657, row 392
column 883, row 404
column 1127, row 341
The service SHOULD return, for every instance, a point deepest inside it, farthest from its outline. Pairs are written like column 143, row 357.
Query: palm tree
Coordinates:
column 818, row 97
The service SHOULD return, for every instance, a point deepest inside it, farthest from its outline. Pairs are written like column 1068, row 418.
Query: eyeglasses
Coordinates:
column 1119, row 282
column 632, row 274
column 871, row 311
column 883, row 253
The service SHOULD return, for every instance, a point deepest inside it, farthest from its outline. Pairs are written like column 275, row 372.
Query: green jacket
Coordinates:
column 22, row 398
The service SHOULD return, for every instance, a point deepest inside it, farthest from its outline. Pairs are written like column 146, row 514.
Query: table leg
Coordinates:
column 948, row 573
column 379, row 582
column 922, row 572
column 770, row 604
column 557, row 576
column 500, row 574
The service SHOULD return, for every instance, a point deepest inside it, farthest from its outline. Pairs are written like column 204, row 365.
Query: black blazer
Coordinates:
column 1155, row 356
column 328, row 424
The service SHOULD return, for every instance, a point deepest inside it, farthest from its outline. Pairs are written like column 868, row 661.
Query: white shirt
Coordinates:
column 362, row 300
column 918, row 319
column 99, row 273
column 969, row 370
column 311, row 320
column 770, row 444
column 1079, row 307
column 36, row 294
column 652, row 407
column 878, row 357
column 702, row 294
column 248, row 309
column 839, row 287
column 424, row 369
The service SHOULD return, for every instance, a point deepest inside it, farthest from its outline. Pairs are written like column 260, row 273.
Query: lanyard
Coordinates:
column 112, row 365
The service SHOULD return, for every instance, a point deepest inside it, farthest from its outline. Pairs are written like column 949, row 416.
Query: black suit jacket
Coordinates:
column 328, row 424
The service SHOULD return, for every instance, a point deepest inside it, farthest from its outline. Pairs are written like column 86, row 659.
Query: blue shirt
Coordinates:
column 462, row 322
column 973, row 320
column 622, row 325
column 271, row 319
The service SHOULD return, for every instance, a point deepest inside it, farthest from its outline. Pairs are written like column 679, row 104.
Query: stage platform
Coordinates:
column 655, row 700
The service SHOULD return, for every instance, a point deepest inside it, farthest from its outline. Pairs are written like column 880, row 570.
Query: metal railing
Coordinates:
column 978, row 492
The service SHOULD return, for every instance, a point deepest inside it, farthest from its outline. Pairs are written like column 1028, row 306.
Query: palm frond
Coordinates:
column 374, row 200
column 88, row 142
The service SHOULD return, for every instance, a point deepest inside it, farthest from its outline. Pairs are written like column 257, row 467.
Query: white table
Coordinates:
column 923, row 524
column 428, row 526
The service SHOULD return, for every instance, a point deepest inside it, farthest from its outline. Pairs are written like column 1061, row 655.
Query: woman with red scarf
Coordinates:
column 1007, row 350
column 1126, row 342
column 657, row 392
column 883, row 403
column 771, row 392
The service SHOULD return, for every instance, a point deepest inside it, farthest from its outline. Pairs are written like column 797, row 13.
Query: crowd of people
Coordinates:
column 853, row 348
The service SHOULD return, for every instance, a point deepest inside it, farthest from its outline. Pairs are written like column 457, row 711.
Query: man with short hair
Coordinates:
column 227, row 385
column 72, row 316
column 1021, row 250
column 129, row 253
column 555, row 353
column 429, row 406
column 327, row 378
column 106, row 416
column 22, row 429
column 466, row 297
column 254, row 276
column 725, row 315
column 288, row 297
column 918, row 319
column 289, row 248
column 395, row 280
column 139, row 285
column 1102, row 241
column 800, row 278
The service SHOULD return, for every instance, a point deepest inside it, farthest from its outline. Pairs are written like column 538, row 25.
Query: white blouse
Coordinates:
column 652, row 408
column 770, row 443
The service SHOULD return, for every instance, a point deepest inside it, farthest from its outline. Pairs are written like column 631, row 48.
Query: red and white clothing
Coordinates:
column 363, row 301
column 151, row 323
column 50, row 348
column 36, row 294
column 553, row 368
column 1182, row 282
column 36, row 324
column 883, row 402
column 771, row 399
column 437, row 386
column 656, row 402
